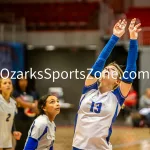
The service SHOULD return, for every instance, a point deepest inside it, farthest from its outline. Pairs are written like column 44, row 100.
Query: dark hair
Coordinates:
column 42, row 103
column 17, row 87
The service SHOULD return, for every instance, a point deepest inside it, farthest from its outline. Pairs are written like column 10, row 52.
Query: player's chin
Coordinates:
column 8, row 90
column 105, row 79
column 57, row 110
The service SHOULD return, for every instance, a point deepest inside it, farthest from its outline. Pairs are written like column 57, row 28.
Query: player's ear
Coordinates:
column 117, row 82
column 44, row 108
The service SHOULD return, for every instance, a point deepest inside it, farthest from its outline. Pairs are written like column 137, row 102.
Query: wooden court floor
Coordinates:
column 123, row 138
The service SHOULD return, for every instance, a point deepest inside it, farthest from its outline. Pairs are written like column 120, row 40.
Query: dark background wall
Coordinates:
column 61, row 60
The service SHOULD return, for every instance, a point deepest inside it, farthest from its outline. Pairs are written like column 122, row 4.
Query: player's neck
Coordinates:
column 51, row 118
column 104, row 88
column 23, row 89
column 6, row 96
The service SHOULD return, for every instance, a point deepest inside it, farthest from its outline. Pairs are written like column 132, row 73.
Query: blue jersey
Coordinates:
column 97, row 112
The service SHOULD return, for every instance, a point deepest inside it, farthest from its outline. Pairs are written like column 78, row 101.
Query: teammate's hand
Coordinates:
column 119, row 28
column 134, row 29
column 17, row 135
column 34, row 107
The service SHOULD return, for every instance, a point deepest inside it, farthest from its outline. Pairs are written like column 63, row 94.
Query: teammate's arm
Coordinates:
column 26, row 104
column 37, row 131
column 16, row 134
column 31, row 144
column 118, row 31
column 52, row 148
column 127, row 79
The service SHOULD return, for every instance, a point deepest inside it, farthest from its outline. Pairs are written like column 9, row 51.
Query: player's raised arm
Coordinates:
column 98, row 66
column 127, row 79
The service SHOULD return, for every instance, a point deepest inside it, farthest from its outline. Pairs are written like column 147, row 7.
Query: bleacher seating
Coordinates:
column 70, row 15
column 141, row 13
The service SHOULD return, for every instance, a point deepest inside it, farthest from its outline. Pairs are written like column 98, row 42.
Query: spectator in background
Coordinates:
column 27, row 99
column 145, row 99
column 130, row 105
column 131, row 99
column 142, row 117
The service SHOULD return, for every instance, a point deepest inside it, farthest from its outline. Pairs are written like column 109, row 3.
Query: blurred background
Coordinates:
column 65, row 35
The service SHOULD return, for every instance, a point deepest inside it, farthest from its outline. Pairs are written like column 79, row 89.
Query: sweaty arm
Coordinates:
column 101, row 60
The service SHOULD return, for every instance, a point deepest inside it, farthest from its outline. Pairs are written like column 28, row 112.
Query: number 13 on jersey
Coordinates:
column 96, row 107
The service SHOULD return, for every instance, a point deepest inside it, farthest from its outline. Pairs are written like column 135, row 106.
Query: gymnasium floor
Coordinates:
column 123, row 138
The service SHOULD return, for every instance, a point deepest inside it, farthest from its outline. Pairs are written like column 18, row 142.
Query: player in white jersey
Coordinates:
column 7, row 112
column 100, row 104
column 41, row 135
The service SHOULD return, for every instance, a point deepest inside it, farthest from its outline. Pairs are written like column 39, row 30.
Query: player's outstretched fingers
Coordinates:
column 118, row 24
column 132, row 23
column 123, row 24
column 138, row 30
column 123, row 21
column 138, row 25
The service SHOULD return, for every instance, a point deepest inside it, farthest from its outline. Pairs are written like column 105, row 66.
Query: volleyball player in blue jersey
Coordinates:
column 100, row 103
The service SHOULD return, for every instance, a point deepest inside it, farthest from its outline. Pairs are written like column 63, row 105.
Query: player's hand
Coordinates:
column 17, row 135
column 35, row 107
column 134, row 29
column 119, row 28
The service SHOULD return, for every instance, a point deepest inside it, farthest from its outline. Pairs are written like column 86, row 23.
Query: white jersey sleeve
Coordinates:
column 37, row 130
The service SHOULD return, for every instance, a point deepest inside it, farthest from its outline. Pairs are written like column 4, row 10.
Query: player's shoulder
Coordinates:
column 91, row 92
column 41, row 121
column 13, row 100
column 112, row 95
column 1, row 99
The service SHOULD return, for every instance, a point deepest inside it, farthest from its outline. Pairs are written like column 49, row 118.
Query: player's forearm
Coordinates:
column 100, row 62
column 131, row 61
column 51, row 148
column 24, row 104
column 31, row 144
